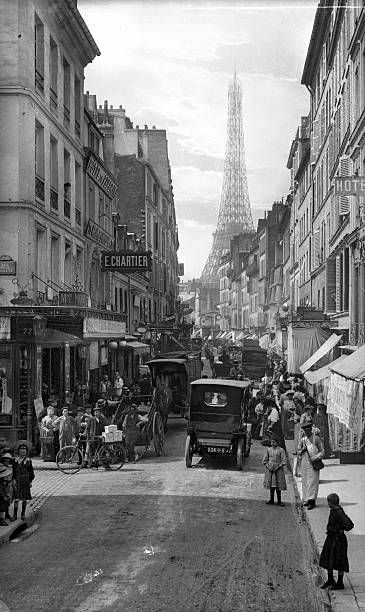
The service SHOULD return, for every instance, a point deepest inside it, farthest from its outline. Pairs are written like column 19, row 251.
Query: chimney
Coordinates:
column 111, row 106
column 146, row 126
column 137, row 127
column 106, row 118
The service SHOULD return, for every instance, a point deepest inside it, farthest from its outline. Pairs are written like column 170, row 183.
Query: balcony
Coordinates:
column 53, row 199
column 39, row 188
column 67, row 208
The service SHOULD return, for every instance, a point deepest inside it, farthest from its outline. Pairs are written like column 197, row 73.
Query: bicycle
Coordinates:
column 110, row 455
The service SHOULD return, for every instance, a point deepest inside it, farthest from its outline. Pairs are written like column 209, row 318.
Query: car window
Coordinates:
column 215, row 399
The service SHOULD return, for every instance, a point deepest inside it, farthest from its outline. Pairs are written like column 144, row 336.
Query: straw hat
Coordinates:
column 5, row 471
column 25, row 443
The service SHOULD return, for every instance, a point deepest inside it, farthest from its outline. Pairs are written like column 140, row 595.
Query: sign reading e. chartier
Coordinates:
column 127, row 261
column 350, row 185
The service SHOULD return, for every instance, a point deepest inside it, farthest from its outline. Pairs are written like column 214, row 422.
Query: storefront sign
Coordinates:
column 127, row 261
column 98, row 234
column 103, row 328
column 72, row 298
column 5, row 328
column 101, row 177
column 350, row 185
column 7, row 266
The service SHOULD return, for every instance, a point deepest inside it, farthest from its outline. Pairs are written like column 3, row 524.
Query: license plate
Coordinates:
column 218, row 450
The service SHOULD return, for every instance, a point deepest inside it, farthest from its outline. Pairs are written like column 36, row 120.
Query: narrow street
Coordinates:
column 158, row 537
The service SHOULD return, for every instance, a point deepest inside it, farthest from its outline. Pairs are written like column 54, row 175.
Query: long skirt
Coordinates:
column 275, row 480
column 334, row 553
column 310, row 479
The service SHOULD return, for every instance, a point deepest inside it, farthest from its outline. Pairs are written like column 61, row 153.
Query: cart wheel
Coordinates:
column 158, row 433
column 240, row 454
column 188, row 452
column 69, row 459
column 247, row 446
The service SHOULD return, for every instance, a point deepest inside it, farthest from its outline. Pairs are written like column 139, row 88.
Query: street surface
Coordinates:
column 156, row 537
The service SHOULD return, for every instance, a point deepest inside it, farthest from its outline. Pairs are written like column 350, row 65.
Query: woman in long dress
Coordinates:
column 48, row 433
column 310, row 448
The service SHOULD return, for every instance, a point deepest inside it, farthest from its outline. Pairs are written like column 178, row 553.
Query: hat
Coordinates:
column 290, row 392
column 100, row 402
column 21, row 443
column 134, row 406
column 307, row 424
column 6, row 456
column 5, row 471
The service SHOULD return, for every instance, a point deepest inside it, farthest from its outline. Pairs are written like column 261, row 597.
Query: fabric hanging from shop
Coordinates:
column 323, row 350
column 94, row 355
column 302, row 343
column 317, row 380
column 345, row 400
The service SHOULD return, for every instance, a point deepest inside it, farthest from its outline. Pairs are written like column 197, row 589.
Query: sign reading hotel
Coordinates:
column 127, row 261
column 101, row 177
column 98, row 234
column 350, row 185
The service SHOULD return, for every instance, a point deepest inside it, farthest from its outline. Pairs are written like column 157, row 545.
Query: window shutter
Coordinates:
column 316, row 247
column 345, row 168
column 338, row 284
column 331, row 285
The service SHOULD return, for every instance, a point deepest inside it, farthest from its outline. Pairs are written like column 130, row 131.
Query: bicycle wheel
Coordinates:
column 69, row 459
column 112, row 456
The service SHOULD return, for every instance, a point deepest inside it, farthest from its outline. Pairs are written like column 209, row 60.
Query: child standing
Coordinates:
column 5, row 473
column 334, row 552
column 7, row 460
column 274, row 461
column 23, row 477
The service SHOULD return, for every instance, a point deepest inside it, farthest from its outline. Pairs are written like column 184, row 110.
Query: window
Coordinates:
column 39, row 54
column 66, row 185
column 77, row 105
column 40, row 258
column 54, row 173
column 155, row 194
column 67, row 273
column 156, row 236
column 79, row 264
column 55, row 259
column 53, row 73
column 39, row 161
column 77, row 193
column 66, row 93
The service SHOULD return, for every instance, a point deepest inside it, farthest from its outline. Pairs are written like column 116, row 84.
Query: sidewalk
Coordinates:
column 348, row 482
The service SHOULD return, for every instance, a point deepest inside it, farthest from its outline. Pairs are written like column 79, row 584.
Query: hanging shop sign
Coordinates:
column 103, row 328
column 98, row 234
column 7, row 266
column 127, row 261
column 101, row 177
column 350, row 185
column 72, row 298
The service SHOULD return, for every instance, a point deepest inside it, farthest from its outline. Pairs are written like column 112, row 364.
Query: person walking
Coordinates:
column 334, row 552
column 310, row 449
column 23, row 478
column 132, row 424
column 274, row 461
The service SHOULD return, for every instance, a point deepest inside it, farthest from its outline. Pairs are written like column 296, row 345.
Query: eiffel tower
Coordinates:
column 235, row 211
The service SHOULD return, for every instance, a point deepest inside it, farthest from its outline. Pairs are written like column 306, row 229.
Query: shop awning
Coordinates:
column 353, row 366
column 325, row 348
column 140, row 346
column 55, row 337
column 313, row 377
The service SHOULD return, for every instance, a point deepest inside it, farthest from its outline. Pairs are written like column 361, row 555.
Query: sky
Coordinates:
column 169, row 63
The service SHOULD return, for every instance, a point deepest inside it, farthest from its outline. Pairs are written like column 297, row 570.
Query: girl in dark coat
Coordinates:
column 23, row 477
column 334, row 553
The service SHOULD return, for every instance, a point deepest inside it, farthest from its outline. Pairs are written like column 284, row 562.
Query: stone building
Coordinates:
column 56, row 323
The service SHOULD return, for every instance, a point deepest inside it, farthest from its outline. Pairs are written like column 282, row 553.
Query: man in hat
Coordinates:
column 107, row 407
column 235, row 371
column 93, row 431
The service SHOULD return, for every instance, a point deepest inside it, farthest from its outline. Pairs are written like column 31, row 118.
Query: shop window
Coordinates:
column 6, row 381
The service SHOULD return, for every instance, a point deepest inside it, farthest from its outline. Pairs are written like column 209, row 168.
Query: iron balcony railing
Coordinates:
column 53, row 199
column 39, row 188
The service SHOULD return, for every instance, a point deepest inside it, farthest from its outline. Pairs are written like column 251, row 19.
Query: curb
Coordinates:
column 302, row 513
column 333, row 604
column 7, row 532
